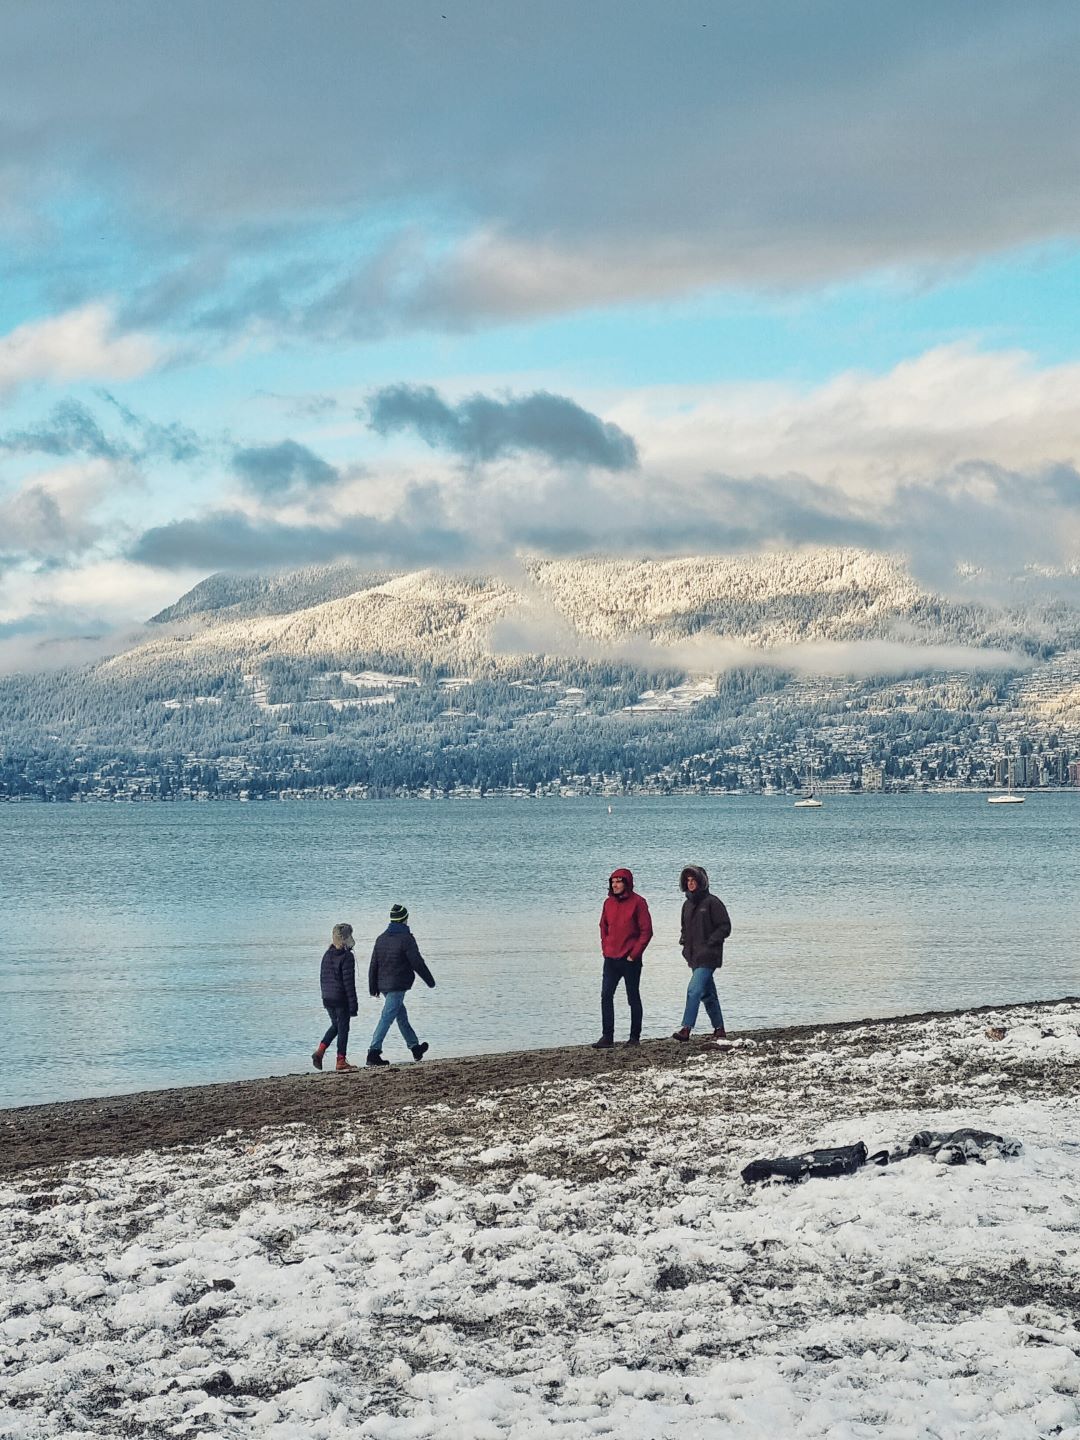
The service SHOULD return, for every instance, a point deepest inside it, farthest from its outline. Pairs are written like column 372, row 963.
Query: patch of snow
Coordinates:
column 580, row 1258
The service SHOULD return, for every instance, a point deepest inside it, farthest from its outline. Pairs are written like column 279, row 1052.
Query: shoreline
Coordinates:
column 57, row 1133
column 559, row 1244
column 500, row 793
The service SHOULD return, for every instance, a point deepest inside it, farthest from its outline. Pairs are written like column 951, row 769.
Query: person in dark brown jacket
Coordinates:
column 706, row 924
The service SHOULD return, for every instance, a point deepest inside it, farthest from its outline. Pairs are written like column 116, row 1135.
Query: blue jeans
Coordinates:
column 339, row 1026
column 394, row 1009
column 614, row 971
column 702, row 991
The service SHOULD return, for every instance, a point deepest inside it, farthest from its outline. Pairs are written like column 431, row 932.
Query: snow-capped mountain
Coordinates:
column 246, row 595
column 712, row 671
column 579, row 606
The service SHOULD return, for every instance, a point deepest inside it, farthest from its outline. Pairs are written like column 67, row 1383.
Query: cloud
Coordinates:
column 92, row 595
column 994, row 523
column 55, row 615
column 70, row 430
column 231, row 540
column 713, row 513
column 277, row 470
column 48, row 517
column 174, row 441
column 304, row 407
column 480, row 428
column 417, row 281
column 867, row 434
column 856, row 658
column 954, row 460
column 37, row 647
column 33, row 524
column 763, row 145
column 954, row 456
column 78, row 345
column 957, row 460
column 537, row 628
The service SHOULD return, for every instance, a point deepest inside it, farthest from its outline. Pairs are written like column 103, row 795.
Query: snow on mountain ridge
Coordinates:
column 429, row 616
column 248, row 596
column 608, row 599
column 425, row 615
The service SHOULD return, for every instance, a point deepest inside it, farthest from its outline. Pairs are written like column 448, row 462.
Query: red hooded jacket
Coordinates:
column 625, row 922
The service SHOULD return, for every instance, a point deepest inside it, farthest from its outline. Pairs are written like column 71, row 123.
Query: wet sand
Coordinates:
column 42, row 1136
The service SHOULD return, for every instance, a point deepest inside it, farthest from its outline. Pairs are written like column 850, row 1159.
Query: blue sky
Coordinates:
column 799, row 275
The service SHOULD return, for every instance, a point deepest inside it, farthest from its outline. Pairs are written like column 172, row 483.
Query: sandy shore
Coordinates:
column 56, row 1134
column 558, row 1245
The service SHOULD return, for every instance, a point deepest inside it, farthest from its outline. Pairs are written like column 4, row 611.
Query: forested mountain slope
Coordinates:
column 697, row 671
column 572, row 607
column 248, row 595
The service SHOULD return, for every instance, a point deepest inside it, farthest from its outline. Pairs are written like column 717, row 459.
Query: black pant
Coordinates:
column 339, row 1026
column 614, row 971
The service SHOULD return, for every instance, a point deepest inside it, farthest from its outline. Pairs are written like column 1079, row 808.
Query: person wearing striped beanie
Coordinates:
column 395, row 963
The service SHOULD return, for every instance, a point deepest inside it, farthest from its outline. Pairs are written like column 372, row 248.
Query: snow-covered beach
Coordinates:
column 474, row 1249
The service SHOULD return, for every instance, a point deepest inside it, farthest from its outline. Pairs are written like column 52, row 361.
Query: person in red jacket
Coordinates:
column 625, row 931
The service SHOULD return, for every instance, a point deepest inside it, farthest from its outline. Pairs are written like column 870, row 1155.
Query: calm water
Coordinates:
column 154, row 945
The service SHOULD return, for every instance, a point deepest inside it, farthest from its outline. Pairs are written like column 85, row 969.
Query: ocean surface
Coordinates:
column 144, row 946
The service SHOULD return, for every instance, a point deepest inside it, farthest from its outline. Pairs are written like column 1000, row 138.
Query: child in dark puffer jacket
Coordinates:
column 337, row 981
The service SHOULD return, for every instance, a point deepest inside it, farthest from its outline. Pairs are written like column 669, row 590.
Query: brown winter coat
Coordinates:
column 706, row 923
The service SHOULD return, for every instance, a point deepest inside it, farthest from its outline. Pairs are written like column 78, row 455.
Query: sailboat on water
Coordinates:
column 809, row 801
column 1009, row 798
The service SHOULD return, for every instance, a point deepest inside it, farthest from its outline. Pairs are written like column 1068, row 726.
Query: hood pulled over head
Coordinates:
column 622, row 874
column 700, row 875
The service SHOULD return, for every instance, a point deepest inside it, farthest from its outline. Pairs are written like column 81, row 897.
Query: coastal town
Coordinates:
column 770, row 675
column 838, row 737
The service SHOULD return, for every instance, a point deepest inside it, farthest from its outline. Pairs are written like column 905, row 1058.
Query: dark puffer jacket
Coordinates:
column 337, row 978
column 396, row 961
column 706, row 923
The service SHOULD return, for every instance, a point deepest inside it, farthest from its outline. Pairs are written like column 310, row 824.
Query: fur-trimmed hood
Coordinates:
column 700, row 875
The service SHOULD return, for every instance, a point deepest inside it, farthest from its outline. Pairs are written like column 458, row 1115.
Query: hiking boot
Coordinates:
column 316, row 1056
column 682, row 1035
column 719, row 1033
column 419, row 1051
column 634, row 1040
column 343, row 1064
column 374, row 1057
column 604, row 1043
